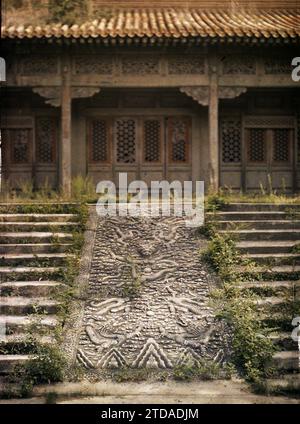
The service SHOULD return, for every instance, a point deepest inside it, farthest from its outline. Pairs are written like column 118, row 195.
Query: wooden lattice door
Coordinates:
column 269, row 158
column 125, row 130
column 18, row 165
column 147, row 148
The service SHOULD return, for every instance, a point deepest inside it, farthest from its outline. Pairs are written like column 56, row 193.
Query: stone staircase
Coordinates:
column 269, row 236
column 34, row 247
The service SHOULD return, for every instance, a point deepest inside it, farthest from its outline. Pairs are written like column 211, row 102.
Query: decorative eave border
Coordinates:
column 156, row 41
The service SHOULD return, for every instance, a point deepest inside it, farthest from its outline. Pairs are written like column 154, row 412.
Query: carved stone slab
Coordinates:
column 147, row 300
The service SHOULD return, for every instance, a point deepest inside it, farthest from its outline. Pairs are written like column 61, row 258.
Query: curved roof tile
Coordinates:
column 171, row 22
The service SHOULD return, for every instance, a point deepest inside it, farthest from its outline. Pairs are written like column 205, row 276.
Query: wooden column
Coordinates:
column 66, row 131
column 213, row 131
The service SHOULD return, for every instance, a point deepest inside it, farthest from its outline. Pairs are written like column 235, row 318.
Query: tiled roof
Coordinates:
column 171, row 23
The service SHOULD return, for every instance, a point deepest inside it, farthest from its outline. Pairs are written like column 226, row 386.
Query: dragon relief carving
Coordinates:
column 168, row 322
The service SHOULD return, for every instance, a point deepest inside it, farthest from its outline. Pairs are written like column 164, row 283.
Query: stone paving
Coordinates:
column 147, row 298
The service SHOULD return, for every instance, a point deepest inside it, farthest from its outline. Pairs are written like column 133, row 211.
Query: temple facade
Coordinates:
column 201, row 92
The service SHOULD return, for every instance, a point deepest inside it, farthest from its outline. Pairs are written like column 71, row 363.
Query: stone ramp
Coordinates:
column 147, row 300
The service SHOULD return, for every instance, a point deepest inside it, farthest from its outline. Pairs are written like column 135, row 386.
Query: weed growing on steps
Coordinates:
column 45, row 366
column 202, row 370
column 215, row 201
column 252, row 349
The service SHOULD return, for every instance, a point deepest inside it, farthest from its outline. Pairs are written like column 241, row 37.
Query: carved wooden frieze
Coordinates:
column 41, row 65
column 53, row 94
column 278, row 66
column 199, row 94
column 231, row 92
column 181, row 65
column 239, row 65
column 101, row 65
column 84, row 92
column 141, row 66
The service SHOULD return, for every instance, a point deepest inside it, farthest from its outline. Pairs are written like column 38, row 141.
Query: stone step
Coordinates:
column 256, row 235
column 17, row 342
column 284, row 288
column 34, row 248
column 22, row 273
column 261, row 207
column 270, row 303
column 34, row 237
column 8, row 362
column 37, row 226
column 274, row 258
column 288, row 382
column 29, row 288
column 258, row 225
column 284, row 341
column 16, row 324
column 253, row 215
column 18, row 305
column 36, row 217
column 276, row 320
column 14, row 259
column 287, row 360
column 282, row 272
column 267, row 246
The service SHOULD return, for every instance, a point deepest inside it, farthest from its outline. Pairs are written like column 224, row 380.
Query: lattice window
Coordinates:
column 179, row 133
column 231, row 140
column 46, row 133
column 152, row 140
column 4, row 146
column 99, row 141
column 257, row 145
column 186, row 65
column 281, row 145
column 125, row 133
column 20, row 139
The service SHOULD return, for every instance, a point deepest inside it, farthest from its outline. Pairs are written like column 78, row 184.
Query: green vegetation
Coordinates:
column 67, row 11
column 202, row 370
column 216, row 200
column 252, row 349
column 82, row 190
column 46, row 366
column 60, row 11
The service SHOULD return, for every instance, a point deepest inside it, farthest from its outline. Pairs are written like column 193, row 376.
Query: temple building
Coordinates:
column 166, row 90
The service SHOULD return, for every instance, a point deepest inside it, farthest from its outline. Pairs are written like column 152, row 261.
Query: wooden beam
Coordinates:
column 213, row 131
column 66, row 131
